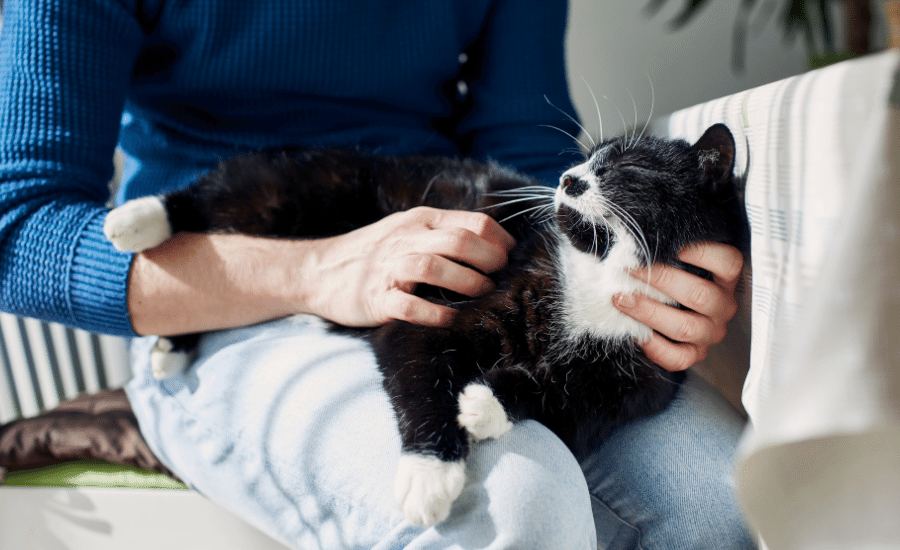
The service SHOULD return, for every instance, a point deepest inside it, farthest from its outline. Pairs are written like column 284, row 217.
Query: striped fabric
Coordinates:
column 42, row 364
column 819, row 469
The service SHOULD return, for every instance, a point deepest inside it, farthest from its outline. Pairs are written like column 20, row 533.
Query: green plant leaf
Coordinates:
column 827, row 32
column 690, row 10
column 653, row 7
column 795, row 20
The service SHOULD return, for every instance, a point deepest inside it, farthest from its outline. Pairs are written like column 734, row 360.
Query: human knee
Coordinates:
column 535, row 490
column 701, row 514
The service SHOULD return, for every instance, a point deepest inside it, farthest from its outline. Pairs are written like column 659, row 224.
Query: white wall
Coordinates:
column 613, row 46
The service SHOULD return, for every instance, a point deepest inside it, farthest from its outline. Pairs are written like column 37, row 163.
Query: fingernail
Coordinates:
column 625, row 300
column 638, row 272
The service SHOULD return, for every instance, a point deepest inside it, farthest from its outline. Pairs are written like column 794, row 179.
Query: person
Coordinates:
column 278, row 420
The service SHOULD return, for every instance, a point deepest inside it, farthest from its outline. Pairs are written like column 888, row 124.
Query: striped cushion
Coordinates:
column 821, row 157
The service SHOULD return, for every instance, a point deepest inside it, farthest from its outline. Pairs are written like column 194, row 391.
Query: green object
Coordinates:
column 825, row 59
column 812, row 18
column 91, row 473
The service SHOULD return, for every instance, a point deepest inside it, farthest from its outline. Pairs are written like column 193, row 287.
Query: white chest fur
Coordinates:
column 590, row 284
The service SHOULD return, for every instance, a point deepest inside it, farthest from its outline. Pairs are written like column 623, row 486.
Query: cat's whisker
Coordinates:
column 597, row 106
column 542, row 215
column 513, row 201
column 529, row 188
column 652, row 105
column 522, row 212
column 523, row 196
column 641, row 241
column 534, row 187
column 575, row 139
column 533, row 193
column 430, row 185
column 571, row 151
column 632, row 141
column 630, row 225
column 570, row 117
column 594, row 246
column 624, row 125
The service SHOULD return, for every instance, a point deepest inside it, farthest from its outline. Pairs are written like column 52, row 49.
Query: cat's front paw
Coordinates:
column 425, row 487
column 138, row 224
column 481, row 414
column 165, row 362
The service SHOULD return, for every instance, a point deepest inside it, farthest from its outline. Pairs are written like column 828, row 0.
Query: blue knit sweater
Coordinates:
column 181, row 84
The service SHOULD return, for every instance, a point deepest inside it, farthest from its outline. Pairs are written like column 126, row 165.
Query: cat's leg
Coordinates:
column 491, row 403
column 431, row 472
column 138, row 224
column 171, row 355
column 423, row 387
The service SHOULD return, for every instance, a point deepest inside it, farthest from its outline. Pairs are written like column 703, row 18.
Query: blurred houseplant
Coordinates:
column 813, row 18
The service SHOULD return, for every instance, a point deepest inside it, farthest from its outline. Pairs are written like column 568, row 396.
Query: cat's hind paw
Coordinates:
column 138, row 224
column 165, row 362
column 481, row 414
column 426, row 487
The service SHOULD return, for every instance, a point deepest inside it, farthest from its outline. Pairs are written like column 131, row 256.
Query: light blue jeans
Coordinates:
column 288, row 426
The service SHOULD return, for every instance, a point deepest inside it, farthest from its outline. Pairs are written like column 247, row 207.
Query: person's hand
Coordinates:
column 367, row 277
column 689, row 334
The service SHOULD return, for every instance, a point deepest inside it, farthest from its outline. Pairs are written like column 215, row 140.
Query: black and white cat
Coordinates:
column 548, row 343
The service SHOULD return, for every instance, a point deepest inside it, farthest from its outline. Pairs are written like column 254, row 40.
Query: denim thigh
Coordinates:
column 289, row 427
column 666, row 482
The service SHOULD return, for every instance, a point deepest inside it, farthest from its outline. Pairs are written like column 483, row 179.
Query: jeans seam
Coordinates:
column 600, row 501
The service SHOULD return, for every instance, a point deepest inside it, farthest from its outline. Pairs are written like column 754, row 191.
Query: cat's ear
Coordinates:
column 714, row 152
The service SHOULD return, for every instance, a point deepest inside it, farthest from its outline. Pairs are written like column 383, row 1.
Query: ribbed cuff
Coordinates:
column 99, row 282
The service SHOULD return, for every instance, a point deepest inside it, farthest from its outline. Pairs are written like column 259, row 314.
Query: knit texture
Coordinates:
column 180, row 85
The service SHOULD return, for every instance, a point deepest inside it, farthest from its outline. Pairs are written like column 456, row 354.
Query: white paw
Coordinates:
column 312, row 321
column 481, row 414
column 166, row 363
column 425, row 487
column 138, row 225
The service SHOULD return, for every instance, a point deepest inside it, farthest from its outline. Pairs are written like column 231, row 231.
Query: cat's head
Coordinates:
column 662, row 193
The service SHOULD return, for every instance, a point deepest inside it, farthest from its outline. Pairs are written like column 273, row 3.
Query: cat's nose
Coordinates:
column 573, row 186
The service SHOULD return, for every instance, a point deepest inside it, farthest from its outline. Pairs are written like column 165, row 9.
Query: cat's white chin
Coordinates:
column 426, row 487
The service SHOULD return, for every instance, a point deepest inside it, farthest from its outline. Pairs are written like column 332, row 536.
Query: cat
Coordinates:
column 547, row 344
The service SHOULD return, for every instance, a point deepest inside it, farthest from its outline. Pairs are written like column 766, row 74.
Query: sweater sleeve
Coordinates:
column 64, row 69
column 524, row 71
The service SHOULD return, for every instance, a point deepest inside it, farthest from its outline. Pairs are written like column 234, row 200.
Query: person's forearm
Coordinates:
column 195, row 283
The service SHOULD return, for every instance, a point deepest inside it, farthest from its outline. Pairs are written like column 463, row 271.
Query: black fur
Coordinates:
column 514, row 340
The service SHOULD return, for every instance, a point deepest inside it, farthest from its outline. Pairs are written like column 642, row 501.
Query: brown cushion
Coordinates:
column 97, row 426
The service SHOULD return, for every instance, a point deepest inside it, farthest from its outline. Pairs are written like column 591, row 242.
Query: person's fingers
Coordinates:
column 696, row 293
column 676, row 324
column 723, row 261
column 478, row 223
column 462, row 246
column 396, row 304
column 681, row 337
column 439, row 271
column 673, row 356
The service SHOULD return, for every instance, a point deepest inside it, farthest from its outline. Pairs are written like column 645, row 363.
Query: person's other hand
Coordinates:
column 367, row 277
column 689, row 334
